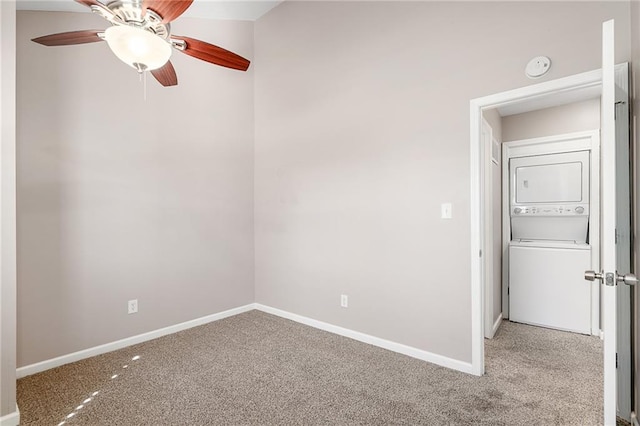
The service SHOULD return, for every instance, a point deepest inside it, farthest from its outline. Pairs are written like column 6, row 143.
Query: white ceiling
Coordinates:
column 210, row 9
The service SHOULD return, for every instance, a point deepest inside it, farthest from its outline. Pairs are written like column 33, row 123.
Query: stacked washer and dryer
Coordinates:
column 549, row 248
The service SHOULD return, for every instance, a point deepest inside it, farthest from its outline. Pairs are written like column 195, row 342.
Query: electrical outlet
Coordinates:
column 132, row 306
column 344, row 301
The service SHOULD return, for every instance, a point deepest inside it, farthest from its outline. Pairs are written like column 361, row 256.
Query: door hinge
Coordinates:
column 479, row 253
column 616, row 236
column 616, row 359
column 508, row 290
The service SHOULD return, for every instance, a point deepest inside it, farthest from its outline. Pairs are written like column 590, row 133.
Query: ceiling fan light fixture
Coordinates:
column 138, row 48
column 140, row 36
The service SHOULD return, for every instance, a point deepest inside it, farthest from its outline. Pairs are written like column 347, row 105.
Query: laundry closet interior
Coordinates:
column 542, row 221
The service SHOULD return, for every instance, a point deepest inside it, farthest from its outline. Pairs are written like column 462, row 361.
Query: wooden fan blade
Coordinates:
column 72, row 37
column 167, row 9
column 166, row 75
column 213, row 54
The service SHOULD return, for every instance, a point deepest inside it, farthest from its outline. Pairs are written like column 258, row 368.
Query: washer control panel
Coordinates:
column 554, row 210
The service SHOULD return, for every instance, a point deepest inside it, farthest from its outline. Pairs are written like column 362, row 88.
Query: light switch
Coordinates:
column 446, row 210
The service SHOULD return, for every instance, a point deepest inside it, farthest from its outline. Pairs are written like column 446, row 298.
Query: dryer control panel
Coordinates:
column 552, row 210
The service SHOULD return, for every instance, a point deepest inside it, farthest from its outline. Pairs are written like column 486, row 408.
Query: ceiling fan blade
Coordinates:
column 167, row 9
column 213, row 54
column 166, row 75
column 72, row 37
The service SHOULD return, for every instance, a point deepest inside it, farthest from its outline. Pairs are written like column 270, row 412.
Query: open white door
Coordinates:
column 608, row 188
column 624, row 250
column 615, row 187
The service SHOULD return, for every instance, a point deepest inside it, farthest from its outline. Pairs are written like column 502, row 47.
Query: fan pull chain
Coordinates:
column 143, row 80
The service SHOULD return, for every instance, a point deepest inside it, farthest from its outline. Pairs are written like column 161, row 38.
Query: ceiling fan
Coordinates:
column 140, row 36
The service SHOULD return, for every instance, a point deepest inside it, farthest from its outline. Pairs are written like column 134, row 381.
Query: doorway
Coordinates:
column 526, row 99
column 535, row 97
column 557, row 235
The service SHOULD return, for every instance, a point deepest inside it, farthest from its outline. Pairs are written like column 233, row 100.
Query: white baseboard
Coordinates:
column 496, row 325
column 443, row 361
column 11, row 419
column 109, row 347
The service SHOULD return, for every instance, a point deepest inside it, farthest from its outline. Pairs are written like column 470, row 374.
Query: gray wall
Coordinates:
column 575, row 117
column 121, row 198
column 7, row 208
column 362, row 130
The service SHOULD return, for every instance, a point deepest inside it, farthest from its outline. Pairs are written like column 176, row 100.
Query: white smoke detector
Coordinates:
column 538, row 66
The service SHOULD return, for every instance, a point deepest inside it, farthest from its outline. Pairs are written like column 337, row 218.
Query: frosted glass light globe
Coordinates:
column 138, row 48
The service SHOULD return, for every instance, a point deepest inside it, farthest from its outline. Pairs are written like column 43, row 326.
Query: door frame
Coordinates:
column 532, row 93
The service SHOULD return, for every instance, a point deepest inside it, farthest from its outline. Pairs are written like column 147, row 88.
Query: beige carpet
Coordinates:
column 258, row 369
